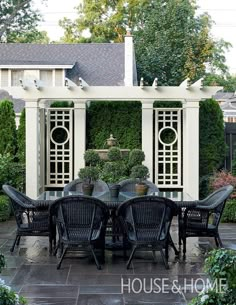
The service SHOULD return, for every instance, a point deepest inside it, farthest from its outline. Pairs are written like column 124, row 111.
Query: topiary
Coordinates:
column 7, row 128
column 140, row 172
column 113, row 172
column 136, row 157
column 91, row 157
column 89, row 174
column 114, row 154
column 5, row 209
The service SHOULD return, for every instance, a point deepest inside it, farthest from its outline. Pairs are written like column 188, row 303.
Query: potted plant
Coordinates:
column 113, row 170
column 141, row 173
column 136, row 157
column 112, row 173
column 88, row 174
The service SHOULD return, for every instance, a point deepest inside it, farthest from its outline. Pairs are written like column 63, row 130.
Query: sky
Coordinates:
column 222, row 12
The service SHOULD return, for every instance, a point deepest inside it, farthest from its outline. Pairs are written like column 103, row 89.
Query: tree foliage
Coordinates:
column 106, row 20
column 175, row 44
column 18, row 20
column 171, row 42
column 228, row 82
column 7, row 128
column 34, row 36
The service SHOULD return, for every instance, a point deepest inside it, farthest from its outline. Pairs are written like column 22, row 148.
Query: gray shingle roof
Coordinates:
column 223, row 95
column 99, row 64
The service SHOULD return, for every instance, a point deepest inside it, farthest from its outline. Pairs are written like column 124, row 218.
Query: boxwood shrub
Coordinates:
column 5, row 209
column 229, row 214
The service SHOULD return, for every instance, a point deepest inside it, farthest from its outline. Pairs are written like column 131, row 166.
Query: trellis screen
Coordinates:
column 59, row 146
column 168, row 161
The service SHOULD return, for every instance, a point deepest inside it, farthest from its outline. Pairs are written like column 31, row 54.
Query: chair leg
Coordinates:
column 131, row 257
column 14, row 243
column 218, row 241
column 167, row 251
column 154, row 256
column 124, row 247
column 173, row 245
column 63, row 254
column 164, row 259
column 18, row 240
column 184, row 246
column 96, row 260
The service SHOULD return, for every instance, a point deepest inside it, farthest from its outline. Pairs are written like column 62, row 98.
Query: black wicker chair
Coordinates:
column 128, row 185
column 146, row 221
column 203, row 220
column 81, row 224
column 32, row 216
column 76, row 186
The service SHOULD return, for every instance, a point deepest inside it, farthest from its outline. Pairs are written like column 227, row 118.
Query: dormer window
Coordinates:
column 46, row 77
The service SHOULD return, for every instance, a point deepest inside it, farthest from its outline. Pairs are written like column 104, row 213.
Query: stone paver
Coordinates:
column 32, row 272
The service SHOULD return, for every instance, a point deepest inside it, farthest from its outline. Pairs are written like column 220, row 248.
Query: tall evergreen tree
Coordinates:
column 7, row 128
column 21, row 138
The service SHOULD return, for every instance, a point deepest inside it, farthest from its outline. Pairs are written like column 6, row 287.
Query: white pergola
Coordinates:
column 36, row 97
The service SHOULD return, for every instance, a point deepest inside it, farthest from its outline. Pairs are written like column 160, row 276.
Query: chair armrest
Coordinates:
column 42, row 204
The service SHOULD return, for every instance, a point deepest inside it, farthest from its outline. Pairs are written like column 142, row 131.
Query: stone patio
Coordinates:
column 32, row 272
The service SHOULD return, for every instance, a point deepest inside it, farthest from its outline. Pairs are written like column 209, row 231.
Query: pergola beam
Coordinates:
column 114, row 93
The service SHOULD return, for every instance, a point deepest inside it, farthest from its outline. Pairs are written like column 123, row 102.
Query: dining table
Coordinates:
column 182, row 199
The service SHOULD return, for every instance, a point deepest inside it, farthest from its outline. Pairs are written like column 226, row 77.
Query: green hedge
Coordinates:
column 229, row 214
column 212, row 137
column 8, row 140
column 5, row 209
column 122, row 119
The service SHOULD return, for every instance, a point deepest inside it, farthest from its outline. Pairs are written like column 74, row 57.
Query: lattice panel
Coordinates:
column 168, row 167
column 59, row 146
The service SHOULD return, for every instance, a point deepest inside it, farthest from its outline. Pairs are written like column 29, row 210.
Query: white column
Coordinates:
column 32, row 148
column 79, row 135
column 147, row 134
column 42, row 146
column 191, row 148
column 129, row 60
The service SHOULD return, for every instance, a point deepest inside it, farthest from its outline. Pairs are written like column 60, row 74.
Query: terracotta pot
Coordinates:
column 141, row 189
column 87, row 189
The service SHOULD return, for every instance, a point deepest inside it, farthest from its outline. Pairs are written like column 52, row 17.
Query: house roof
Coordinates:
column 99, row 64
column 223, row 96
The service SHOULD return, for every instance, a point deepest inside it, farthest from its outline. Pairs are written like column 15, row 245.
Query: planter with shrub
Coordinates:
column 140, row 173
column 90, row 173
column 114, row 170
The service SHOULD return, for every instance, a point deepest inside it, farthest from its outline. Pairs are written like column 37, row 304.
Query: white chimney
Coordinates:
column 129, row 59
